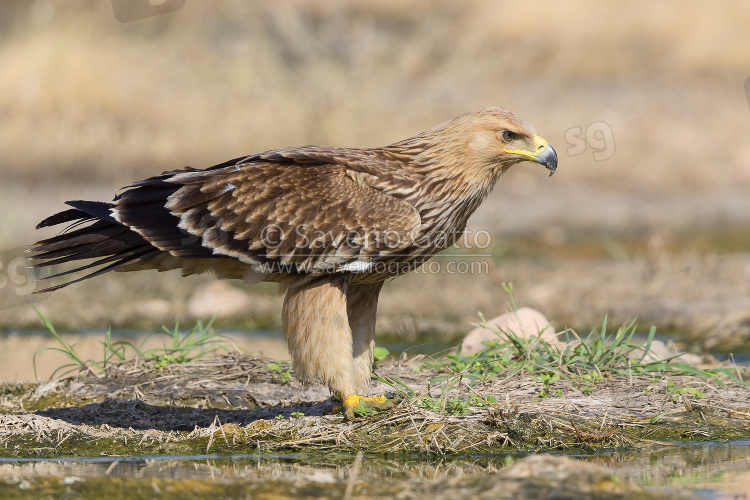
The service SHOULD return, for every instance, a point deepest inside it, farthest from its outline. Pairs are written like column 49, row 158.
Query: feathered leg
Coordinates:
column 330, row 329
column 361, row 307
column 317, row 329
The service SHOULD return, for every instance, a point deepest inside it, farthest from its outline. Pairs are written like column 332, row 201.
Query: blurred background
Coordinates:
column 646, row 104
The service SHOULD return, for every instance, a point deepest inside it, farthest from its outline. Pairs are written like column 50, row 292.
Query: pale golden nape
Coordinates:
column 329, row 224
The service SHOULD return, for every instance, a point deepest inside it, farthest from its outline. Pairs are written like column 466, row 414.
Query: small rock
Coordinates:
column 525, row 322
column 217, row 297
column 696, row 360
column 546, row 476
column 551, row 468
column 318, row 476
column 659, row 350
column 155, row 308
column 46, row 388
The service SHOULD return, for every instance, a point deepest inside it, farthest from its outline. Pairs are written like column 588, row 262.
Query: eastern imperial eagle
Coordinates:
column 330, row 225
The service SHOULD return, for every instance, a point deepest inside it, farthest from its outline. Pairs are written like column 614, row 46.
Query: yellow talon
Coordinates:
column 352, row 401
column 355, row 401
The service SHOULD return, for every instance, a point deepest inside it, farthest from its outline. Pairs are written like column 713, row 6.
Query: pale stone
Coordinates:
column 217, row 297
column 154, row 308
column 525, row 322
column 659, row 350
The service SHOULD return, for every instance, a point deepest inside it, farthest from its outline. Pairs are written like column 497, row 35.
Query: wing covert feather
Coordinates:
column 315, row 218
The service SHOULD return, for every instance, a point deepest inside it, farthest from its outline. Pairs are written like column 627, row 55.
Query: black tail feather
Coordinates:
column 100, row 262
column 61, row 217
column 97, row 209
column 134, row 258
column 135, row 227
column 89, row 235
column 80, row 252
column 104, row 239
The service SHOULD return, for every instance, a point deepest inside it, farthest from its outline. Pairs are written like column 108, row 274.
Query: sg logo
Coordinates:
column 18, row 280
column 598, row 136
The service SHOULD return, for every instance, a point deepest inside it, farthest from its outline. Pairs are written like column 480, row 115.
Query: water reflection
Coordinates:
column 318, row 467
column 723, row 468
column 712, row 470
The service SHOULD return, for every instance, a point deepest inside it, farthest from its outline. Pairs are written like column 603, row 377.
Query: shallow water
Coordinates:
column 18, row 347
column 708, row 470
column 711, row 469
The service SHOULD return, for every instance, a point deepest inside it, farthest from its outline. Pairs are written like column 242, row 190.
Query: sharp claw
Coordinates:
column 354, row 402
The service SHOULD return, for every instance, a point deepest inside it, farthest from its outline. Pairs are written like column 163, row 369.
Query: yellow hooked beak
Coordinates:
column 543, row 153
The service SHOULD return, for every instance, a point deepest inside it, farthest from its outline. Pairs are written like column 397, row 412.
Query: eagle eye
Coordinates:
column 508, row 136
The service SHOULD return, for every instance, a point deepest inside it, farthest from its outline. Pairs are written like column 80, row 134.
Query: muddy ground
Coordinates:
column 238, row 404
column 235, row 403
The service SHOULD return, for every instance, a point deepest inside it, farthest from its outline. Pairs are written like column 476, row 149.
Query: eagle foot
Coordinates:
column 354, row 406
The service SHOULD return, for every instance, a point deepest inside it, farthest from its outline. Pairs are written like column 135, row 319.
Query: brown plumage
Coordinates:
column 329, row 224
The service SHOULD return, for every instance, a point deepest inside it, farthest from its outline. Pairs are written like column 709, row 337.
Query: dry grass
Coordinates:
column 231, row 402
column 90, row 104
column 86, row 98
